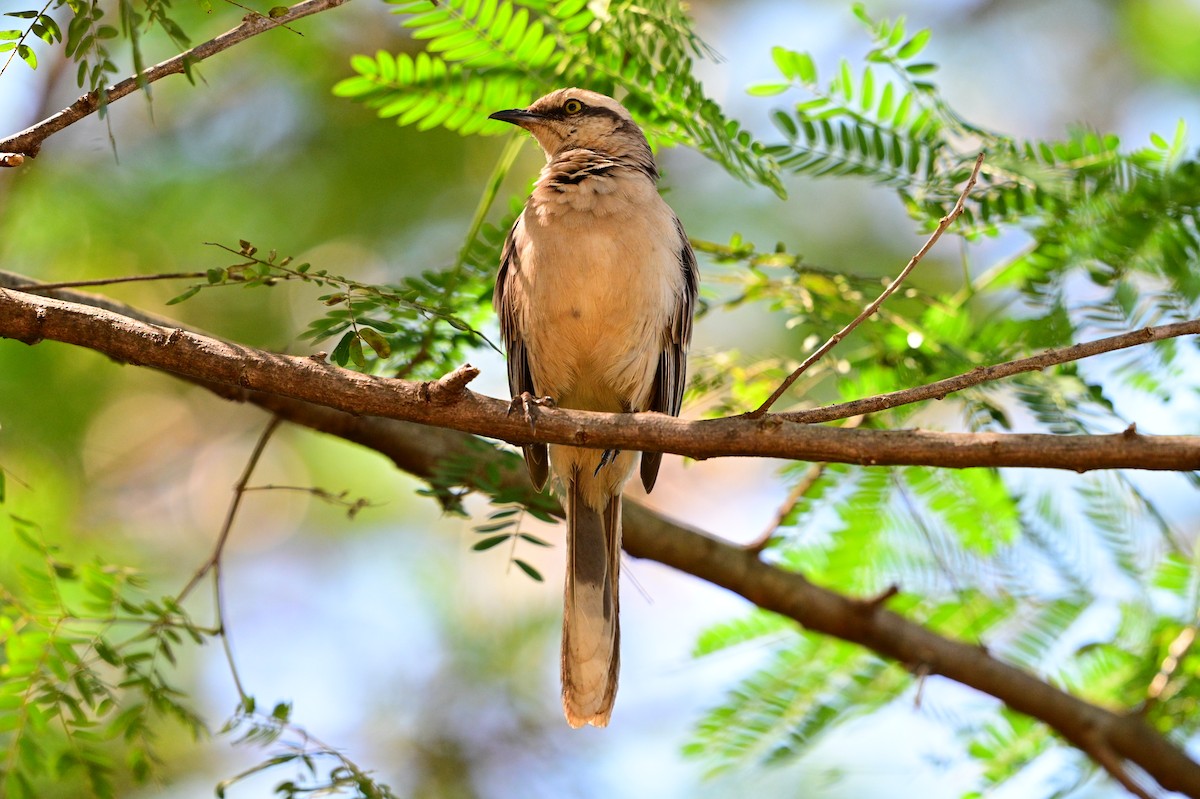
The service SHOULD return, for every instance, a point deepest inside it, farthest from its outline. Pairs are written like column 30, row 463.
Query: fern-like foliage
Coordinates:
column 785, row 707
column 84, row 668
column 90, row 32
column 1128, row 221
column 886, row 122
column 378, row 328
column 962, row 545
column 486, row 55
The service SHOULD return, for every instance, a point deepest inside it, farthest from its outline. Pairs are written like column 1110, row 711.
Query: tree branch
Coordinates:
column 986, row 374
column 447, row 403
column 418, row 450
column 894, row 637
column 29, row 141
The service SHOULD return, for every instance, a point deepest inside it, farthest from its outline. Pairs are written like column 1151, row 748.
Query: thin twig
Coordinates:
column 239, row 490
column 250, row 12
column 37, row 288
column 340, row 499
column 1101, row 752
column 223, row 631
column 945, row 222
column 308, row 746
column 987, row 374
column 29, row 141
column 809, row 479
column 213, row 564
column 1176, row 651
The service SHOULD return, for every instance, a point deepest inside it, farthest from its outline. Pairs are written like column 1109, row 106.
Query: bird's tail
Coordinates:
column 591, row 633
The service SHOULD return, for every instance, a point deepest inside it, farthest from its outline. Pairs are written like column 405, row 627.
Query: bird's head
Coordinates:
column 570, row 119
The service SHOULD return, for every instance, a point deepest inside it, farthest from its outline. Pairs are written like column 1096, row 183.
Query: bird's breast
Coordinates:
column 599, row 294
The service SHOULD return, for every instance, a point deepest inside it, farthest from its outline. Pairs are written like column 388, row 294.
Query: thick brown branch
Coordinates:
column 31, row 318
column 29, row 141
column 986, row 374
column 419, row 449
column 896, row 638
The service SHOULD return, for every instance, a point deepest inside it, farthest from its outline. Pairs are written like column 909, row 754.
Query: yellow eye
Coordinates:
column 572, row 106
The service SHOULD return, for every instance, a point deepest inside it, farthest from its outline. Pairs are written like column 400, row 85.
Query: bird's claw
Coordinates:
column 609, row 456
column 528, row 405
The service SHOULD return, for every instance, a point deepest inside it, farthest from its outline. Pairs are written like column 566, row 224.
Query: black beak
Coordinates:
column 517, row 116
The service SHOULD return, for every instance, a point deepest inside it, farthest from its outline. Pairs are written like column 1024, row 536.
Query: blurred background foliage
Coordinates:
column 431, row 666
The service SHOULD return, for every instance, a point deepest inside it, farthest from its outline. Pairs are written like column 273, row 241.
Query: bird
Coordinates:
column 595, row 295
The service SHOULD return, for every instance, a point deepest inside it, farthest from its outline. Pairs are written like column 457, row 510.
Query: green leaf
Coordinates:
column 488, row 543
column 794, row 66
column 341, row 353
column 768, row 89
column 357, row 356
column 27, row 55
column 846, row 81
column 191, row 292
column 867, row 92
column 375, row 341
column 491, row 528
column 914, row 45
column 757, row 624
column 47, row 30
column 529, row 570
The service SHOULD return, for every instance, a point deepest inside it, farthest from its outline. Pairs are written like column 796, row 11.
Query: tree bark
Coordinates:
column 1114, row 740
column 448, row 403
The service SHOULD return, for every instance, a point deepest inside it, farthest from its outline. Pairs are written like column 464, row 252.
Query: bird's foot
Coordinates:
column 609, row 456
column 529, row 405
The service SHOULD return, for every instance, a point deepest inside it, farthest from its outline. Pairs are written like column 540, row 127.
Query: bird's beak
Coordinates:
column 517, row 116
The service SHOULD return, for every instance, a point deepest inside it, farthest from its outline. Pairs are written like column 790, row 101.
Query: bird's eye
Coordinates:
column 572, row 106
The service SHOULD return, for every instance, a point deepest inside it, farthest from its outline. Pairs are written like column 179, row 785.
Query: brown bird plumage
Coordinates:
column 595, row 295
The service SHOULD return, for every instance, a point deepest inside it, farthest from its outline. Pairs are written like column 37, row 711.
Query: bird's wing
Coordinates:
column 520, row 379
column 669, row 381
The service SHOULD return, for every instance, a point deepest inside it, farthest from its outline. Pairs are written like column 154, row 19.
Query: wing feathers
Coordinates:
column 671, row 378
column 519, row 378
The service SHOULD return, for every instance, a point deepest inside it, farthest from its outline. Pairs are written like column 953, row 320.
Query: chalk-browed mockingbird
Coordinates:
column 595, row 295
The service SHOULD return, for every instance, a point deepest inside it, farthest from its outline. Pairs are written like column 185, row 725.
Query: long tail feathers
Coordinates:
column 591, row 632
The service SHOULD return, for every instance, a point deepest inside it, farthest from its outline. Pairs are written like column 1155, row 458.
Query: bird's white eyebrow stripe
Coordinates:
column 558, row 112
